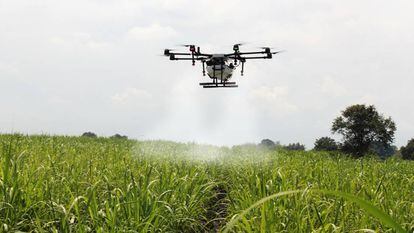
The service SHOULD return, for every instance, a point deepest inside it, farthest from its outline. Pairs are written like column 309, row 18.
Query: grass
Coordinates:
column 75, row 184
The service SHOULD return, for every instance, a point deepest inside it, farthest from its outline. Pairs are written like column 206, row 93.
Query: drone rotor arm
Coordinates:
column 188, row 58
column 265, row 55
column 203, row 55
column 179, row 54
column 250, row 53
column 256, row 57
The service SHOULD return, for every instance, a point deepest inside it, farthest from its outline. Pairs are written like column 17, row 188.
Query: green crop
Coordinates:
column 77, row 184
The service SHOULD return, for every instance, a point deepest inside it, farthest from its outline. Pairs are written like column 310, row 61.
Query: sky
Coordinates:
column 67, row 67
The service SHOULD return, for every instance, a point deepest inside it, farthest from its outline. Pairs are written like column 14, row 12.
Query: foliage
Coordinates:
column 267, row 143
column 361, row 126
column 385, row 218
column 118, row 136
column 77, row 184
column 325, row 144
column 407, row 152
column 89, row 135
column 294, row 146
column 381, row 150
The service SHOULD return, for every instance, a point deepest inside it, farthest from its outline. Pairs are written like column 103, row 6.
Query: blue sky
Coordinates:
column 67, row 67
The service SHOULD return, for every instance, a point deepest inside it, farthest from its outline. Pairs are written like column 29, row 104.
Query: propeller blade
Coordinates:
column 241, row 43
column 281, row 51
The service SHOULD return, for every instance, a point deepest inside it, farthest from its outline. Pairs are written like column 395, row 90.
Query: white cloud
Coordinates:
column 152, row 32
column 368, row 99
column 7, row 69
column 78, row 40
column 131, row 96
column 272, row 99
column 332, row 87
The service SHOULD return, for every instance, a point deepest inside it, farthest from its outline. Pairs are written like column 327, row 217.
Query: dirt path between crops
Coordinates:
column 217, row 210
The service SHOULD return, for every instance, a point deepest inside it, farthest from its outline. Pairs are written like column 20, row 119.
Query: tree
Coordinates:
column 360, row 126
column 295, row 146
column 325, row 144
column 381, row 150
column 407, row 151
column 267, row 143
column 89, row 135
column 118, row 136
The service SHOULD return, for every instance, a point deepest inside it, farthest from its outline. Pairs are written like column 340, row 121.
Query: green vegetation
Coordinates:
column 325, row 144
column 407, row 152
column 295, row 146
column 362, row 129
column 83, row 184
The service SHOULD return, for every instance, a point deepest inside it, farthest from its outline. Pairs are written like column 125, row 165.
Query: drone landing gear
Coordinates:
column 216, row 84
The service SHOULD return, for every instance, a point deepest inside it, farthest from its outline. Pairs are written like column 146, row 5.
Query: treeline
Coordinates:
column 94, row 135
column 364, row 132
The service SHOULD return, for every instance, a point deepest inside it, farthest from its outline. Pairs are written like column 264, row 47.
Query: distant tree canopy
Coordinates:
column 361, row 126
column 89, row 135
column 118, row 136
column 267, row 143
column 294, row 146
column 407, row 152
column 325, row 144
column 381, row 150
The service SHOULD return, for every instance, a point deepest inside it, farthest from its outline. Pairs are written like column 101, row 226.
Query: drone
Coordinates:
column 219, row 67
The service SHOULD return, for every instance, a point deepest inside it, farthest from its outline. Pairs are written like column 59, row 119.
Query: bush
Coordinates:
column 407, row 152
column 294, row 146
column 89, row 135
column 325, row 144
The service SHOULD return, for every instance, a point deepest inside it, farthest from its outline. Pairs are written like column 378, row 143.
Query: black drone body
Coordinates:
column 219, row 67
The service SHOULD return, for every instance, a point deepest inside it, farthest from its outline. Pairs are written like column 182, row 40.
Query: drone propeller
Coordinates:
column 167, row 52
column 186, row 45
column 236, row 47
column 281, row 51
column 240, row 44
